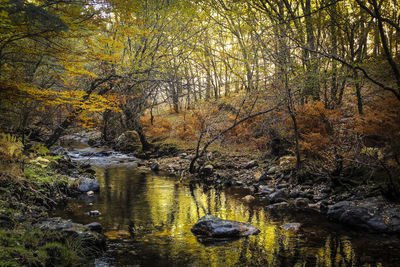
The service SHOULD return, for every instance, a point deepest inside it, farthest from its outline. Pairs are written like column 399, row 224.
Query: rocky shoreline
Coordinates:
column 272, row 182
column 27, row 208
column 277, row 185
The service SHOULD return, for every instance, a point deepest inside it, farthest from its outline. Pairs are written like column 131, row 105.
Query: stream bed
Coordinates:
column 147, row 218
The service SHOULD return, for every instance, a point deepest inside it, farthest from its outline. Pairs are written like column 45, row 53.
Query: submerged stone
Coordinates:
column 292, row 227
column 212, row 226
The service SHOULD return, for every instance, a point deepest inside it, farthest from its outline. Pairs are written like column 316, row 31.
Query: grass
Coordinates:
column 25, row 247
column 35, row 184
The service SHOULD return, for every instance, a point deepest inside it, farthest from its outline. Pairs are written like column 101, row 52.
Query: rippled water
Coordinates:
column 148, row 218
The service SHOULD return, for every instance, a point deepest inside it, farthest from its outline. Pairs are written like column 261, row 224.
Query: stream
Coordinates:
column 147, row 218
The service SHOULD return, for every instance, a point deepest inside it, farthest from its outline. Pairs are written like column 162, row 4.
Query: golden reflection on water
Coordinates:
column 162, row 211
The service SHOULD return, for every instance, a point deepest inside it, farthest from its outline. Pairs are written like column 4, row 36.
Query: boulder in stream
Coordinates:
column 212, row 226
column 155, row 166
column 373, row 214
column 87, row 184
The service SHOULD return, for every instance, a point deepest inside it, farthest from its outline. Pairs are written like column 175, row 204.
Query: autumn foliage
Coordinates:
column 318, row 127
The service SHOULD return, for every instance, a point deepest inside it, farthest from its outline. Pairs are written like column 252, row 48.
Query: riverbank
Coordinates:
column 276, row 182
column 148, row 217
column 351, row 200
column 29, row 236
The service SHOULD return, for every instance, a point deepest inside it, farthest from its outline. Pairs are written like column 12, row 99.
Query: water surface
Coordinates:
column 149, row 216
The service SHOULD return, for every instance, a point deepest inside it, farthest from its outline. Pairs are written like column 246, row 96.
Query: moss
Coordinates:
column 41, row 248
column 22, row 244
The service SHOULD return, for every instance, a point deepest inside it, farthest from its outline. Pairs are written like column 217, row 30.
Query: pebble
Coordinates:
column 292, row 227
column 94, row 213
column 248, row 198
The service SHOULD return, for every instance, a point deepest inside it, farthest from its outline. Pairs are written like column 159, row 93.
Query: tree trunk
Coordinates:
column 357, row 85
column 133, row 123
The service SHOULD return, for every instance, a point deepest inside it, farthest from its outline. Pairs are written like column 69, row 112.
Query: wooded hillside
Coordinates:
column 318, row 81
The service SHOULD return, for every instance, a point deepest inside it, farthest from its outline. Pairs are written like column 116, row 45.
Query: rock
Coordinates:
column 58, row 150
column 272, row 170
column 90, row 193
column 172, row 167
column 6, row 222
column 278, row 196
column 248, row 198
column 316, row 206
column 251, row 164
column 207, row 170
column 155, row 167
column 265, row 177
column 238, row 182
column 301, row 194
column 320, row 196
column 324, row 206
column 294, row 193
column 371, row 214
column 212, row 226
column 93, row 142
column 280, row 205
column 263, row 189
column 257, row 176
column 326, row 190
column 87, row 184
column 128, row 141
column 73, row 229
column 20, row 217
column 95, row 227
column 287, row 162
column 281, row 186
column 301, row 202
column 94, row 213
column 292, row 227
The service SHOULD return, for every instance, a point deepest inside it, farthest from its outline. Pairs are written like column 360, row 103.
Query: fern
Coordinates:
column 10, row 145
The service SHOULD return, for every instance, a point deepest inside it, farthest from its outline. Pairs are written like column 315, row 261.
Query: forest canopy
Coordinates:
column 318, row 81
